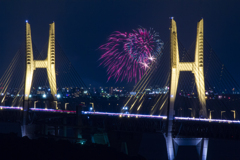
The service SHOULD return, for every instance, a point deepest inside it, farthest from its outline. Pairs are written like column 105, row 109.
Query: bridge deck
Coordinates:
column 124, row 115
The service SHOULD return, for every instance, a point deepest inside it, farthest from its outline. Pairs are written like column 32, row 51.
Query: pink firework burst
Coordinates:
column 128, row 55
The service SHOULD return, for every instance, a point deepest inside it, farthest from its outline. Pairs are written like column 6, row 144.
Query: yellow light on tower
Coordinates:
column 48, row 63
column 195, row 67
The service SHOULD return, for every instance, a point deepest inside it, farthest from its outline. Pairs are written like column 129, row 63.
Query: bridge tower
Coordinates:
column 48, row 63
column 31, row 65
column 196, row 68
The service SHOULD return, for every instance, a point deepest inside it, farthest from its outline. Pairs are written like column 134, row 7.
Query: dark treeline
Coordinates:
column 13, row 147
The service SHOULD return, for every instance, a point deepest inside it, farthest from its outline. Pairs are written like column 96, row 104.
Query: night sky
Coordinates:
column 83, row 25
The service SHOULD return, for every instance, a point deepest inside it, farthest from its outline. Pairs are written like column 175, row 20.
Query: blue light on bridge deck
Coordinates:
column 26, row 21
column 11, row 107
column 30, row 96
column 125, row 108
column 52, row 110
column 44, row 96
column 58, row 96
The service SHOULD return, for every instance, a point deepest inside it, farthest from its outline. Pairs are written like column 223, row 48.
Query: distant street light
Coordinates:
column 210, row 114
column 234, row 114
column 92, row 106
column 35, row 104
column 191, row 112
column 56, row 102
column 222, row 113
column 66, row 106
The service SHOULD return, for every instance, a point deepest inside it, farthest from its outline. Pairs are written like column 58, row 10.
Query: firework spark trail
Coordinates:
column 128, row 55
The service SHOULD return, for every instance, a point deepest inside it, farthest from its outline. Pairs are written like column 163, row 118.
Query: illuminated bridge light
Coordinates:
column 125, row 115
column 164, row 117
column 10, row 107
column 52, row 110
column 207, row 120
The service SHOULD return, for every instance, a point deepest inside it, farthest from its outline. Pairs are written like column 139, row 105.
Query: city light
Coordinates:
column 44, row 96
column 30, row 96
column 58, row 96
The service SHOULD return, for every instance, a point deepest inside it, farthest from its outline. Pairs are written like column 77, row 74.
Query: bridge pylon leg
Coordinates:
column 65, row 127
column 25, row 118
column 79, row 121
column 169, row 144
column 176, row 67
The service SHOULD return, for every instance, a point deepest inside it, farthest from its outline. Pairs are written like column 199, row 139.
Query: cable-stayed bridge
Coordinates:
column 185, row 93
